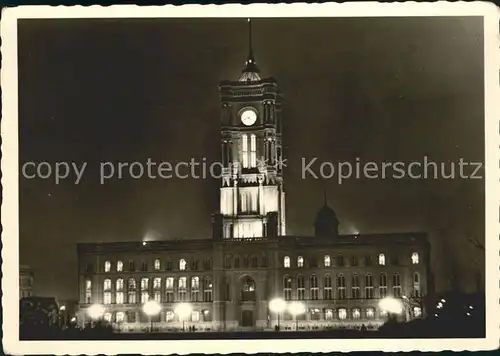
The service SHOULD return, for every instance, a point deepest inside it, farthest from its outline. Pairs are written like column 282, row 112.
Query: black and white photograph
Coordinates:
column 250, row 178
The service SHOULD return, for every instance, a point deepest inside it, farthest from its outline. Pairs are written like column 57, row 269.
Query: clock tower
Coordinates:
column 252, row 199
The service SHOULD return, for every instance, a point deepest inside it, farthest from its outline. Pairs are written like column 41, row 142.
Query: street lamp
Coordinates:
column 296, row 309
column 277, row 306
column 62, row 309
column 151, row 308
column 391, row 306
column 183, row 310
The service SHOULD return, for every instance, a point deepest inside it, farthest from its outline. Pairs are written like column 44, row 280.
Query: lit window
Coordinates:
column 414, row 258
column 368, row 286
column 157, row 283
column 342, row 314
column 396, row 285
column 383, row 285
column 253, row 147
column 381, row 259
column 120, row 317
column 132, row 297
column 195, row 283
column 107, row 317
column 131, row 284
column 328, row 314
column 314, row 287
column 182, row 264
column 370, row 313
column 356, row 314
column 244, row 150
column 144, row 284
column 157, row 264
column 169, row 283
column 119, row 266
column 169, row 316
column 182, row 283
column 327, row 291
column 355, row 286
column 157, row 296
column 119, row 284
column 287, row 287
column 327, row 261
column 195, row 316
column 416, row 285
column 88, row 284
column 107, row 266
column 301, row 291
column 107, row 298
column 107, row 284
column 341, row 286
column 300, row 261
column 144, row 297
column 286, row 262
column 119, row 298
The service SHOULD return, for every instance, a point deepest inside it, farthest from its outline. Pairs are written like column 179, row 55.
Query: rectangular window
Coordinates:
column 132, row 297
column 107, row 298
column 244, row 150
column 253, row 151
column 119, row 297
column 144, row 297
column 169, row 297
column 157, row 296
column 396, row 285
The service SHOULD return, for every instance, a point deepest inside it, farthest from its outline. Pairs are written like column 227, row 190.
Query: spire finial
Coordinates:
column 251, row 59
column 251, row 72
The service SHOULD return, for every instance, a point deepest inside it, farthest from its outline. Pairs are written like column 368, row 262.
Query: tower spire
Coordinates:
column 251, row 72
column 251, row 58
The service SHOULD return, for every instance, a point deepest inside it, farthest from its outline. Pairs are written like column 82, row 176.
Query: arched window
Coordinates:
column 416, row 285
column 381, row 259
column 107, row 266
column 244, row 150
column 119, row 284
column 119, row 266
column 253, row 149
column 182, row 264
column 286, row 262
column 247, row 289
column 287, row 287
column 368, row 286
column 131, row 284
column 414, row 258
column 383, row 285
column 356, row 313
column 157, row 264
column 195, row 289
column 342, row 313
column 107, row 291
column 327, row 261
column 132, row 293
column 396, row 285
column 144, row 284
column 255, row 262
column 107, row 284
column 301, row 290
column 355, row 286
column 157, row 283
column 207, row 289
column 182, row 288
column 327, row 291
column 300, row 261
column 314, row 287
column 236, row 262
column 341, row 286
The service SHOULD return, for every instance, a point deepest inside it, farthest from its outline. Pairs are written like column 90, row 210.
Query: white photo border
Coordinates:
column 10, row 178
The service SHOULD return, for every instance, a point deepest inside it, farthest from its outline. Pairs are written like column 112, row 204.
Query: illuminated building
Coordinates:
column 229, row 279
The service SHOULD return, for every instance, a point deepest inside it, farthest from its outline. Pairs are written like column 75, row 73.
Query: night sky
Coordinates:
column 386, row 89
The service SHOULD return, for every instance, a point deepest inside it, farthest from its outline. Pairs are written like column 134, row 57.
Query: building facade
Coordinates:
column 25, row 281
column 229, row 279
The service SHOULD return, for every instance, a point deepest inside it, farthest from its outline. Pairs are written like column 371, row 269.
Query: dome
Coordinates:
column 326, row 223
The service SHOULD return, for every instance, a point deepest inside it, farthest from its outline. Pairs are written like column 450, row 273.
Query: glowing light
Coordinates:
column 95, row 311
column 391, row 305
column 443, row 301
column 144, row 243
column 73, row 319
column 296, row 308
column 62, row 308
column 277, row 305
column 151, row 307
column 183, row 310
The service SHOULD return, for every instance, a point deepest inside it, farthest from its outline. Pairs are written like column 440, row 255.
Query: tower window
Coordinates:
column 327, row 261
column 381, row 259
column 182, row 264
column 414, row 258
column 107, row 266
column 300, row 261
column 157, row 264
column 286, row 262
column 244, row 150
column 253, row 151
column 119, row 266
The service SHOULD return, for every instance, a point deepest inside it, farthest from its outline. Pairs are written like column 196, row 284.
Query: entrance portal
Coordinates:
column 247, row 318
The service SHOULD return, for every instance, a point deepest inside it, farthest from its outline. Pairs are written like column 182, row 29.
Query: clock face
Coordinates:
column 248, row 117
